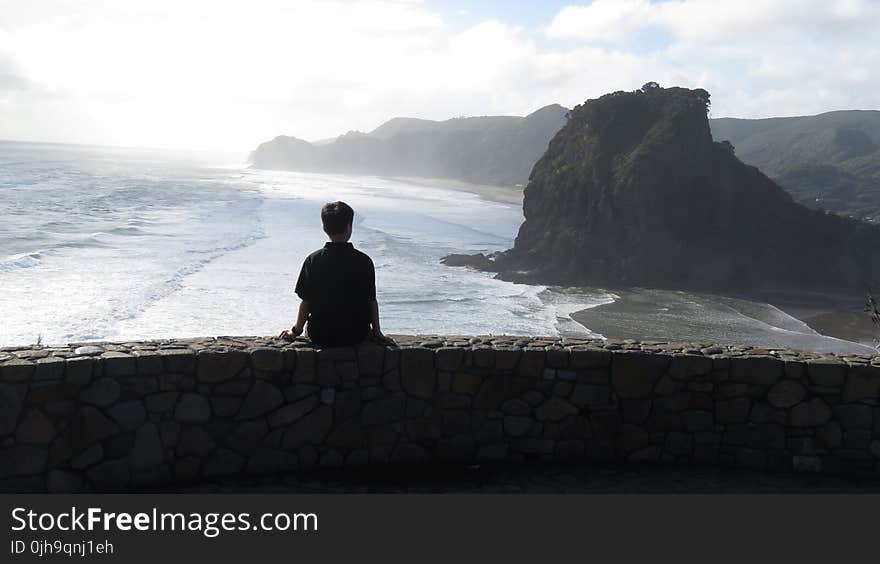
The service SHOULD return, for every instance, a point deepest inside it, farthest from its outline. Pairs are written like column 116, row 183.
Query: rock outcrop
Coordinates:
column 634, row 191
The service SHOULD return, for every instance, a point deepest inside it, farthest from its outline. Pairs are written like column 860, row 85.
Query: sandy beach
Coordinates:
column 669, row 315
column 503, row 194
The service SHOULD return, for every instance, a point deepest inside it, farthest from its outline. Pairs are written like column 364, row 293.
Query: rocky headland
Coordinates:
column 634, row 191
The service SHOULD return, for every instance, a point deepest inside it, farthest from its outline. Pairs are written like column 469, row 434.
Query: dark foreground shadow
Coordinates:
column 538, row 478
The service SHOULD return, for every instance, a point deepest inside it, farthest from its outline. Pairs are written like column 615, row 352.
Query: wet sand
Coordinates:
column 668, row 315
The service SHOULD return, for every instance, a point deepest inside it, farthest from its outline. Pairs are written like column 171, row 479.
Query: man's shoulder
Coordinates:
column 314, row 254
column 362, row 256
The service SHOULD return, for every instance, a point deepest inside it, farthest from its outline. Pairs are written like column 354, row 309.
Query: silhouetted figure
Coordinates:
column 337, row 285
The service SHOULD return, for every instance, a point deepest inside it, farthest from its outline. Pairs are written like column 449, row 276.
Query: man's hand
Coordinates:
column 379, row 336
column 290, row 335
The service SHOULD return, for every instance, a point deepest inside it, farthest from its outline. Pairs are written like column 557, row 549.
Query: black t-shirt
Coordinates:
column 339, row 283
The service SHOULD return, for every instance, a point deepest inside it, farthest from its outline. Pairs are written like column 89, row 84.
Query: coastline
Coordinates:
column 501, row 194
column 817, row 322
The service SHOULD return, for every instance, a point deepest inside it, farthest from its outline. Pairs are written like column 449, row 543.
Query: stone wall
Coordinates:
column 127, row 416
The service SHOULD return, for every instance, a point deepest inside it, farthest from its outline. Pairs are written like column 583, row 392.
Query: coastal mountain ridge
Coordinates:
column 488, row 149
column 828, row 161
column 634, row 191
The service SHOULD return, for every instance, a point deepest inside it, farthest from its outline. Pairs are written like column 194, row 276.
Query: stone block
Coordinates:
column 688, row 366
column 633, row 375
column 148, row 363
column 223, row 462
column 49, row 368
column 449, row 358
column 110, row 476
column 17, row 370
column 267, row 359
column 35, row 428
column 516, row 406
column 531, row 364
column 161, row 402
column 292, row 412
column 118, row 364
column 809, row 413
column 862, row 384
column 829, row 436
column 219, row 366
column 91, row 426
column 854, row 416
column 178, row 361
column 589, row 395
column 128, row 414
column 696, row 420
column 483, row 357
column 734, row 410
column 102, row 392
column 826, row 372
column 515, row 426
column 785, row 394
column 466, row 383
column 589, row 358
column 554, row 409
column 61, row 481
column 247, row 436
column 263, row 398
column 147, row 450
column 407, row 453
column 418, row 376
column 192, row 408
column 337, row 354
column 761, row 370
column 194, row 441
column 78, row 371
column 311, row 428
column 635, row 411
column 369, row 359
column 557, row 358
column 506, row 359
column 11, row 399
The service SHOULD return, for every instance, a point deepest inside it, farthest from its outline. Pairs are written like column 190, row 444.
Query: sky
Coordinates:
column 227, row 75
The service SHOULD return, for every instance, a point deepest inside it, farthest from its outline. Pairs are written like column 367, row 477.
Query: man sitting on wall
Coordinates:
column 337, row 285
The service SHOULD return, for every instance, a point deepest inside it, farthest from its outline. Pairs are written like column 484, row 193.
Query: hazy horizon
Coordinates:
column 246, row 151
column 228, row 75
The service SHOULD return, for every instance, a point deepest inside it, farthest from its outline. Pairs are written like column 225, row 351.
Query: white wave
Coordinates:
column 22, row 260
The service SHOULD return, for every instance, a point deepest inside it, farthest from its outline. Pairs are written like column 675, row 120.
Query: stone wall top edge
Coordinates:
column 107, row 349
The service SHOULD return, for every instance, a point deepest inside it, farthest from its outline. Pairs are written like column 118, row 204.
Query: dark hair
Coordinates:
column 336, row 216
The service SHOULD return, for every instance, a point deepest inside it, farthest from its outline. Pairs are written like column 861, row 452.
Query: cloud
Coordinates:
column 619, row 20
column 776, row 57
column 229, row 74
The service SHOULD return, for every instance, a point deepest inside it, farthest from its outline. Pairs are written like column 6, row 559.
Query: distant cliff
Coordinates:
column 488, row 150
column 829, row 161
column 634, row 191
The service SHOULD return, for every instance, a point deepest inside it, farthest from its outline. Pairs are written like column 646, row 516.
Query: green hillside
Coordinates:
column 829, row 161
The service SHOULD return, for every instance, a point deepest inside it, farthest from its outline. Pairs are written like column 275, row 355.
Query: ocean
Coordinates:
column 117, row 244
column 101, row 243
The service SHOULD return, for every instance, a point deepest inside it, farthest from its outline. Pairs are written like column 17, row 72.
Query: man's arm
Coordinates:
column 301, row 317
column 374, row 305
column 374, row 321
column 374, row 317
